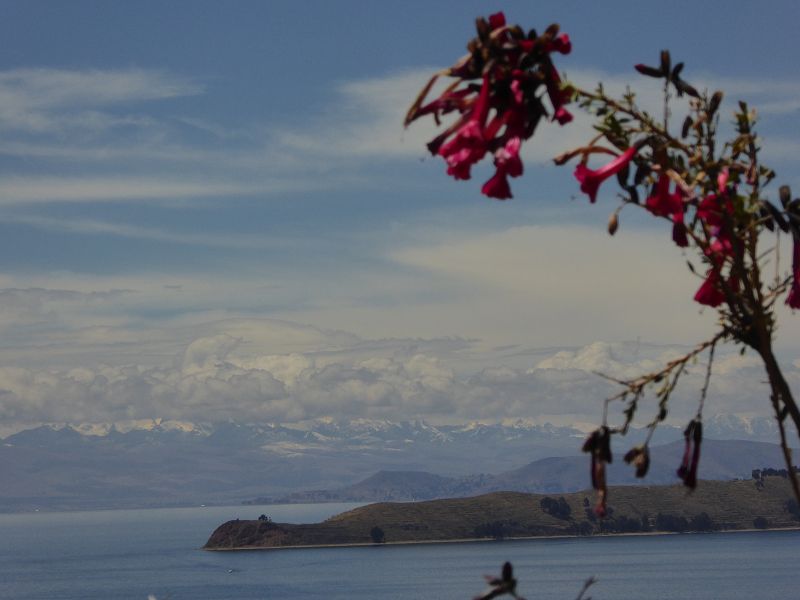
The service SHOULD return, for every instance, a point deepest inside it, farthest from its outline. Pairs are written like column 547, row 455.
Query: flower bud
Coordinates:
column 639, row 456
column 613, row 223
column 714, row 103
column 785, row 194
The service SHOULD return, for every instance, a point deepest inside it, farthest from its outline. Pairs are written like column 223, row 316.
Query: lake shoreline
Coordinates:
column 484, row 540
column 640, row 510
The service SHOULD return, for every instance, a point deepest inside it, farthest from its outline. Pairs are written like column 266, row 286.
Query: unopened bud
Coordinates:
column 639, row 457
column 785, row 194
column 714, row 103
column 613, row 223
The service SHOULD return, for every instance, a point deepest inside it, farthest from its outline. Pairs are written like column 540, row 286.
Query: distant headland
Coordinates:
column 766, row 503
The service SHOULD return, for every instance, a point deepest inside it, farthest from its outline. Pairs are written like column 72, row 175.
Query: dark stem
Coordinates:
column 784, row 405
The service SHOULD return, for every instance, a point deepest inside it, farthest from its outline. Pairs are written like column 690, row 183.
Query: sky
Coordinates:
column 211, row 211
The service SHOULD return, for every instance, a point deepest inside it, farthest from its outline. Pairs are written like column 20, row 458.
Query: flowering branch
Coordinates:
column 710, row 193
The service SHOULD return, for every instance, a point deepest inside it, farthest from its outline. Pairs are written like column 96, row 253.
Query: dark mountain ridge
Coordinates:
column 165, row 463
column 722, row 460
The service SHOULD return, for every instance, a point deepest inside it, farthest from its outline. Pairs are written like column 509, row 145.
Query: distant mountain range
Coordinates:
column 721, row 460
column 161, row 463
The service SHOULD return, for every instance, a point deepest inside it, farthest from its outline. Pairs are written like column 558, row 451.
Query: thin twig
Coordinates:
column 787, row 452
column 586, row 585
column 704, row 392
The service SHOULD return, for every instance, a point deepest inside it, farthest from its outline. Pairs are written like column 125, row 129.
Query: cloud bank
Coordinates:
column 223, row 376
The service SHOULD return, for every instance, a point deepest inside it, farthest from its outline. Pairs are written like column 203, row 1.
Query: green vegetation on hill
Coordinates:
column 713, row 506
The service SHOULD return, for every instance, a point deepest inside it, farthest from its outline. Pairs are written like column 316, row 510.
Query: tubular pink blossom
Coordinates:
column 517, row 93
column 713, row 208
column 562, row 115
column 560, row 44
column 793, row 299
column 558, row 97
column 497, row 20
column 722, row 180
column 459, row 163
column 590, row 180
column 508, row 163
column 709, row 293
column 497, row 187
column 679, row 231
column 664, row 203
column 468, row 146
column 507, row 158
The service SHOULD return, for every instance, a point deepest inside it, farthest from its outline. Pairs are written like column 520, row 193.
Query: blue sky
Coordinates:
column 235, row 176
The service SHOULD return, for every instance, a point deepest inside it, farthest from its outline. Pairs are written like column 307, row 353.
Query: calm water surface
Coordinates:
column 135, row 553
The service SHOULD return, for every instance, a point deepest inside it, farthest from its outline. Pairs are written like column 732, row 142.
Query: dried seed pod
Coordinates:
column 684, row 88
column 776, row 215
column 649, row 71
column 639, row 456
column 693, row 436
column 785, row 193
column 665, row 62
column 613, row 223
column 687, row 123
column 714, row 103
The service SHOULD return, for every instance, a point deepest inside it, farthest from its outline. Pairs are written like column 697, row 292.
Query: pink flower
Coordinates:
column 508, row 163
column 710, row 293
column 469, row 145
column 722, row 180
column 720, row 247
column 793, row 299
column 497, row 20
column 679, row 231
column 558, row 97
column 507, row 158
column 562, row 115
column 459, row 163
column 561, row 44
column 513, row 68
column 713, row 208
column 497, row 187
column 590, row 180
column 517, row 93
column 664, row 203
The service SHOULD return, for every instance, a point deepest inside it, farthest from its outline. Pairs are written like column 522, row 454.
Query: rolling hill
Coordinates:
column 713, row 506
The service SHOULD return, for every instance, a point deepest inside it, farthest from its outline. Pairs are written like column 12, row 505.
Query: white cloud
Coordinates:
column 533, row 287
column 563, row 284
column 621, row 361
column 366, row 119
column 48, row 100
column 21, row 190
column 216, row 378
column 92, row 226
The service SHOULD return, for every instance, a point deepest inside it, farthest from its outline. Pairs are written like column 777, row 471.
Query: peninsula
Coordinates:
column 715, row 506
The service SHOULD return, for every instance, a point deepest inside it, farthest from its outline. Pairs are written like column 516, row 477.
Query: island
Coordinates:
column 765, row 503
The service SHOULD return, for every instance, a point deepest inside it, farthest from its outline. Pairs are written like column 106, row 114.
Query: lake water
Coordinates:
column 130, row 554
